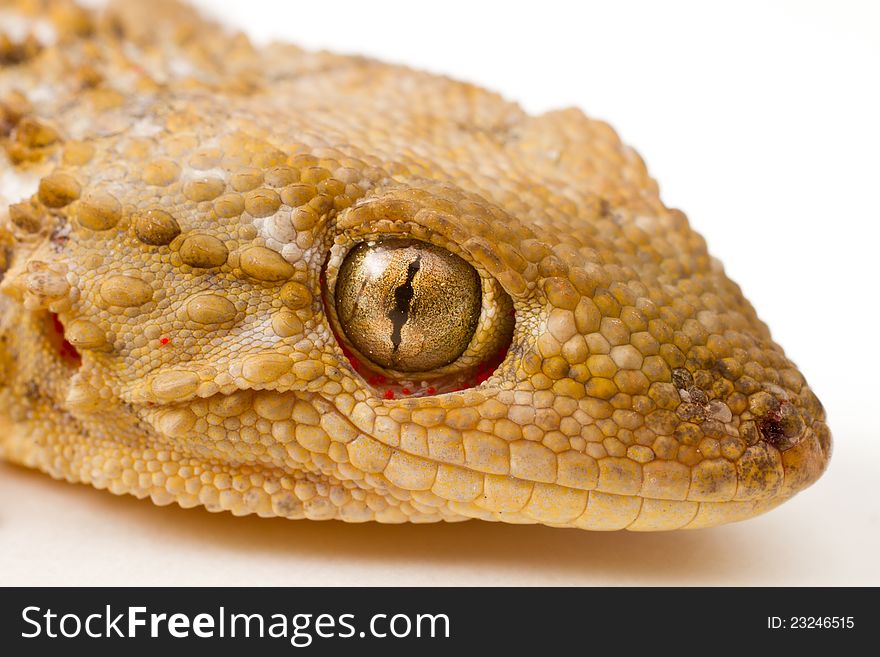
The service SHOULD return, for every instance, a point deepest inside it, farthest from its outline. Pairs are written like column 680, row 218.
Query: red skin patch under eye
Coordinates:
column 480, row 375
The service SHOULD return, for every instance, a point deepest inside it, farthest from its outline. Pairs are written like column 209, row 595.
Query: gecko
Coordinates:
column 271, row 281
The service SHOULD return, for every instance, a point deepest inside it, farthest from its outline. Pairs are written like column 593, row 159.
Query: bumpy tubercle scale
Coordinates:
column 174, row 202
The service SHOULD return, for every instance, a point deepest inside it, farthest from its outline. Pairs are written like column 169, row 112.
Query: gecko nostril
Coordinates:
column 771, row 431
column 782, row 425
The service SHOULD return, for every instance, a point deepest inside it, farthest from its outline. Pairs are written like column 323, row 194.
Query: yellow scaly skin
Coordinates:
column 181, row 201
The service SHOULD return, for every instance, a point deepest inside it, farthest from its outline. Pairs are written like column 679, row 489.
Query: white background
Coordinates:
column 760, row 120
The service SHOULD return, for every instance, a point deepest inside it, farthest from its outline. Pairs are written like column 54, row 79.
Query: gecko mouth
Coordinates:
column 305, row 432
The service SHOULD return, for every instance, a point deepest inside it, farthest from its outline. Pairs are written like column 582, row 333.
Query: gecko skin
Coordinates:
column 177, row 205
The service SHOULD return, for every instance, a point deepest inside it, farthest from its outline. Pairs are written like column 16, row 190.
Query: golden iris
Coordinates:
column 407, row 305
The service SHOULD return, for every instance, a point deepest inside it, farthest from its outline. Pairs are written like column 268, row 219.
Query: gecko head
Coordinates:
column 198, row 281
column 631, row 389
column 296, row 314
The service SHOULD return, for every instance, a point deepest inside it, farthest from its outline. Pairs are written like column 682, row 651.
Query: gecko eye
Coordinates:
column 408, row 305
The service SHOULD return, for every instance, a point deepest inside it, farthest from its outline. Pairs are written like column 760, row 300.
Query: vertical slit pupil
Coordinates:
column 403, row 296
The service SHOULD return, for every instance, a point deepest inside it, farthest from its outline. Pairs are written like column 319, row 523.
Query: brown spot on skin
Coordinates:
column 691, row 413
column 682, row 379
